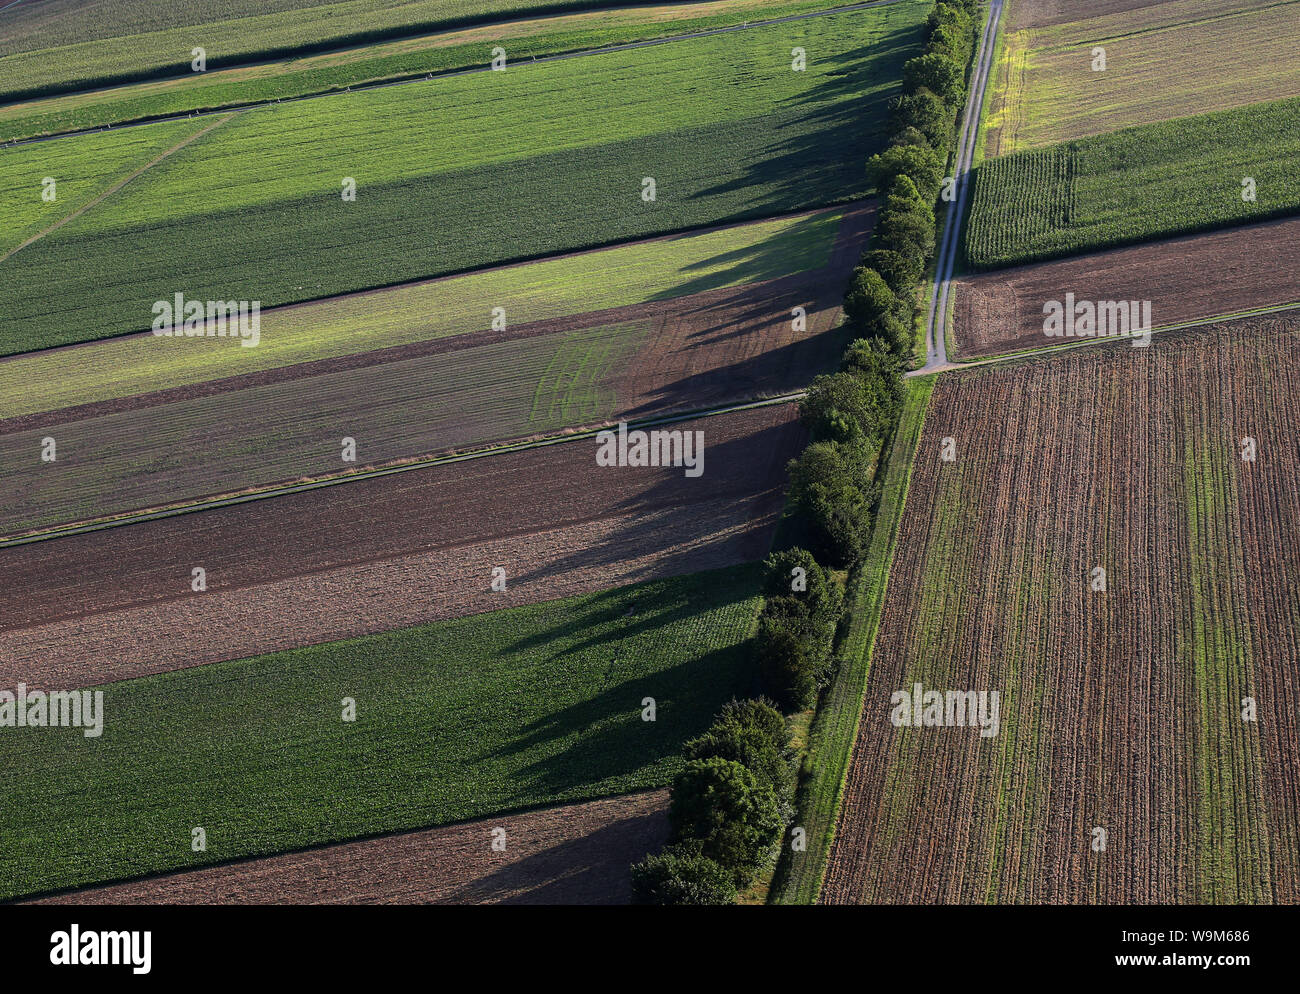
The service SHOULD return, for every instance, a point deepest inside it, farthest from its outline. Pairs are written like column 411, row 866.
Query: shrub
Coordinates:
column 733, row 816
column 844, row 407
column 753, row 747
column 910, row 231
column 682, row 874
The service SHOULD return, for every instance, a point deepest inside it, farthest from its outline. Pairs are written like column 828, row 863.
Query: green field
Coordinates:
column 455, row 720
column 53, row 46
column 615, row 277
column 1133, row 185
column 459, row 173
column 443, row 52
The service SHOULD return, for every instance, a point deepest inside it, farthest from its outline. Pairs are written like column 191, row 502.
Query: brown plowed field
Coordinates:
column 573, row 854
column 384, row 553
column 1200, row 276
column 1121, row 709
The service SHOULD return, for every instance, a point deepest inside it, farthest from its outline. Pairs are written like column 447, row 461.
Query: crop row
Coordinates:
column 403, row 59
column 1177, row 177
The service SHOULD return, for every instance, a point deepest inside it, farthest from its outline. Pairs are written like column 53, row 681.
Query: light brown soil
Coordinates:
column 1197, row 276
column 1119, row 709
column 1041, row 13
column 384, row 553
column 573, row 854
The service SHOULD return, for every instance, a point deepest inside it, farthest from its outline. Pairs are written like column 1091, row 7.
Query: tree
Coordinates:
column 925, row 111
column 876, row 311
column 830, row 492
column 910, row 231
column 937, row 73
column 735, row 819
column 682, row 874
column 901, row 268
column 839, row 407
column 920, row 163
column 787, row 666
column 753, row 748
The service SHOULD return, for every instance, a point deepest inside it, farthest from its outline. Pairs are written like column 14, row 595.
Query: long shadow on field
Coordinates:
column 834, row 129
column 743, row 482
column 607, row 737
column 593, row 869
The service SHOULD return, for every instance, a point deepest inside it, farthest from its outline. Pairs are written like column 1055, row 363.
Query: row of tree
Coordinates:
column 735, row 792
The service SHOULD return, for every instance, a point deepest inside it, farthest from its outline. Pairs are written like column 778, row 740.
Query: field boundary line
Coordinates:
column 424, row 462
column 116, row 187
column 239, row 108
column 1047, row 351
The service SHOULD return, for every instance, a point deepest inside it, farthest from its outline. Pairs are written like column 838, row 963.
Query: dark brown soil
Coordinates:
column 1198, row 276
column 383, row 553
column 574, row 854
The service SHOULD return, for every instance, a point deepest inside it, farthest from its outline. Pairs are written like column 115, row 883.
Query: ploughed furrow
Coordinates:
column 1111, row 548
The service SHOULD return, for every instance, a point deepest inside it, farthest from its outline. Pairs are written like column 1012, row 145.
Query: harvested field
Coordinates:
column 573, row 854
column 1254, row 266
column 681, row 354
column 399, row 550
column 1163, row 61
column 1121, row 709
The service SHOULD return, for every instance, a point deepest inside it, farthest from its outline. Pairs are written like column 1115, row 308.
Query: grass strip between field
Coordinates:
column 455, row 720
column 835, row 727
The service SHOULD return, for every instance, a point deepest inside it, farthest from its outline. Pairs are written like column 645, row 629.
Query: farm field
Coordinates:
column 1134, row 185
column 46, row 50
column 658, row 269
column 1164, row 61
column 398, row 550
column 572, row 854
column 1023, row 14
column 532, row 706
column 405, row 58
column 1120, row 709
column 257, row 201
column 685, row 354
column 1254, row 266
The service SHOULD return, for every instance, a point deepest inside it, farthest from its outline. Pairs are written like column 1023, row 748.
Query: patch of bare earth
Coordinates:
column 384, row 553
column 1188, row 278
column 573, row 854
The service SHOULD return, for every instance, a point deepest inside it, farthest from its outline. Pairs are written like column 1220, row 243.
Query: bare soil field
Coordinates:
column 1045, row 13
column 1124, row 768
column 1162, row 61
column 1198, row 276
column 446, row 395
column 378, row 554
column 572, row 854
